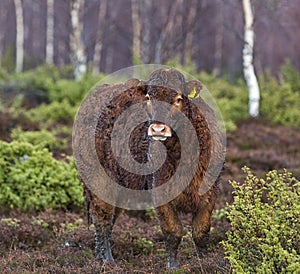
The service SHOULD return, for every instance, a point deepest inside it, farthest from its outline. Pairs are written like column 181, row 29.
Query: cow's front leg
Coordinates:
column 201, row 226
column 103, row 217
column 173, row 231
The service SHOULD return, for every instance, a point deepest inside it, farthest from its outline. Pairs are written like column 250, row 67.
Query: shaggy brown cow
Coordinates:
column 166, row 85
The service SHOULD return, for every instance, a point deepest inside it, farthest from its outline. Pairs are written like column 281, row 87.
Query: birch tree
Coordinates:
column 50, row 32
column 248, row 67
column 99, row 40
column 19, row 36
column 136, row 27
column 77, row 46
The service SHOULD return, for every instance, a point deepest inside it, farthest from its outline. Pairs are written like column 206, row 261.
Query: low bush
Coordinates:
column 74, row 92
column 280, row 101
column 61, row 112
column 47, row 84
column 31, row 179
column 265, row 224
column 41, row 138
column 232, row 98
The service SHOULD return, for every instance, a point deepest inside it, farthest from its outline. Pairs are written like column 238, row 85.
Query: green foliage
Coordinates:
column 39, row 222
column 31, row 179
column 290, row 75
column 78, row 224
column 13, row 222
column 42, row 138
column 265, row 224
column 8, row 62
column 62, row 112
column 49, row 84
column 220, row 214
column 144, row 244
column 72, row 91
column 189, row 67
column 280, row 101
column 150, row 213
column 232, row 98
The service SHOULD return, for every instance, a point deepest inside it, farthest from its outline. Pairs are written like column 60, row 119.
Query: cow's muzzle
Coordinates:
column 159, row 132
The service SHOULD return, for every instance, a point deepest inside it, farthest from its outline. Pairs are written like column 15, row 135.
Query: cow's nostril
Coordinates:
column 158, row 128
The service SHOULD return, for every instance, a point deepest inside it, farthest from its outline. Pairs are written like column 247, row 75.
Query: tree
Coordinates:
column 77, row 46
column 50, row 32
column 248, row 68
column 19, row 36
column 146, row 33
column 136, row 27
column 99, row 35
column 218, row 40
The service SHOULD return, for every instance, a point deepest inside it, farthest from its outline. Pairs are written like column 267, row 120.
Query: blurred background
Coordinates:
column 52, row 52
column 119, row 33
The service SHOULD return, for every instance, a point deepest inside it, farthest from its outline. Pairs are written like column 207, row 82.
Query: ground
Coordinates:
column 61, row 242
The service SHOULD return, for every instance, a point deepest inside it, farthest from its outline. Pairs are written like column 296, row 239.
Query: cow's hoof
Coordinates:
column 104, row 259
column 172, row 265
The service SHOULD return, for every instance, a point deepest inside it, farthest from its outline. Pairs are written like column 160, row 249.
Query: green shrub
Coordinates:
column 290, row 75
column 265, row 224
column 280, row 101
column 42, row 138
column 232, row 98
column 31, row 179
column 62, row 112
column 66, row 90
column 8, row 60
column 49, row 84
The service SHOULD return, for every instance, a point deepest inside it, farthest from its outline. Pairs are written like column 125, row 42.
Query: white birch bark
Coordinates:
column 99, row 38
column 249, row 73
column 77, row 46
column 50, row 32
column 137, row 28
column 19, row 36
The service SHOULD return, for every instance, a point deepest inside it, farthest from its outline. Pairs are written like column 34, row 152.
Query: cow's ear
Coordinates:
column 140, row 85
column 131, row 83
column 192, row 88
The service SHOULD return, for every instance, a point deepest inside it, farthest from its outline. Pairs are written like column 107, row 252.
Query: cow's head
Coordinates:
column 167, row 85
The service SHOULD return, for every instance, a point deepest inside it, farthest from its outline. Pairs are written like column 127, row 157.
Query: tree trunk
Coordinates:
column 99, row 39
column 19, row 36
column 219, row 41
column 248, row 67
column 159, row 48
column 146, row 38
column 167, row 27
column 137, row 28
column 50, row 32
column 188, row 23
column 77, row 46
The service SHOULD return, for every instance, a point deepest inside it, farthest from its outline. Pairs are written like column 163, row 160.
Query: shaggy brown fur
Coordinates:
column 168, row 86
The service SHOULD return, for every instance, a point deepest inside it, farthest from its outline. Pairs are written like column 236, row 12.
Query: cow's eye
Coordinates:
column 178, row 100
